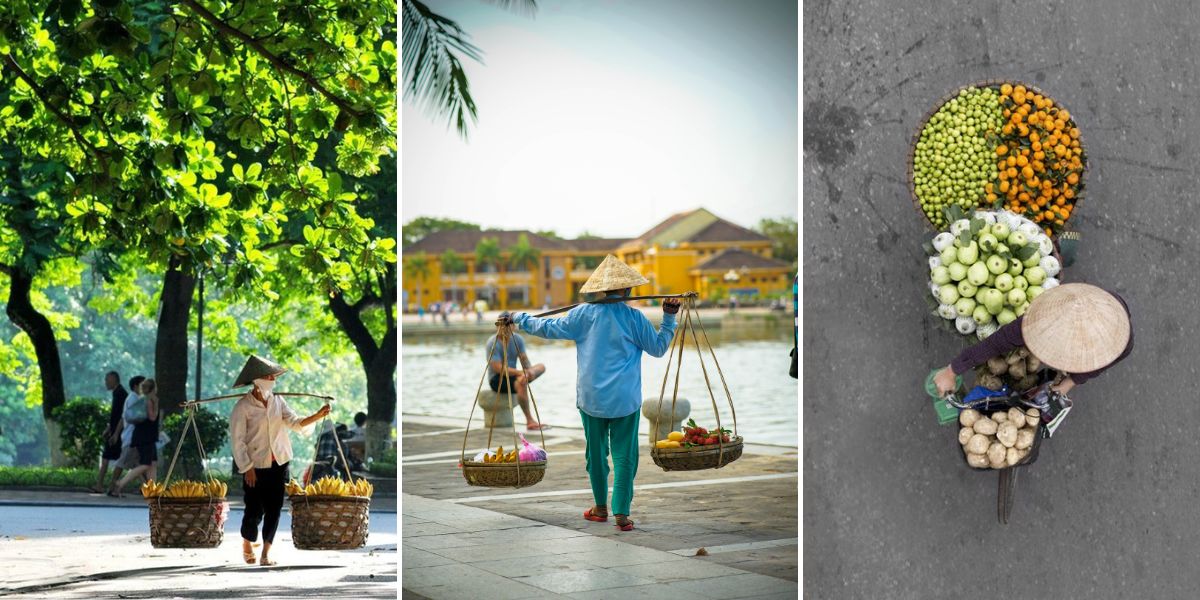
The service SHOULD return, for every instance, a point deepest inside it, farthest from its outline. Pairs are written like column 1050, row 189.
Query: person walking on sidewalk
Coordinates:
column 610, row 339
column 144, row 441
column 504, row 377
column 135, row 411
column 112, row 433
column 258, row 435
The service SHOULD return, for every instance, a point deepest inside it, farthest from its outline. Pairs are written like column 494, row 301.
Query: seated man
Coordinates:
column 512, row 346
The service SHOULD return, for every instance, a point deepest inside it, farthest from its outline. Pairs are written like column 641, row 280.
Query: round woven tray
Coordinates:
column 994, row 83
column 698, row 458
column 187, row 522
column 503, row 474
column 330, row 522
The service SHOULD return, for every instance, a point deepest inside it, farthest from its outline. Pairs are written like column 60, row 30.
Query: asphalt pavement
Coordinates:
column 890, row 510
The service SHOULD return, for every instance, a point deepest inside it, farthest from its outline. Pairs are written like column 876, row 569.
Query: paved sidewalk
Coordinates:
column 451, row 551
column 744, row 514
column 104, row 552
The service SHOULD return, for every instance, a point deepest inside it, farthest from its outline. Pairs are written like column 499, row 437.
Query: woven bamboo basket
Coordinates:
column 330, row 522
column 187, row 522
column 503, row 474
column 697, row 458
column 993, row 83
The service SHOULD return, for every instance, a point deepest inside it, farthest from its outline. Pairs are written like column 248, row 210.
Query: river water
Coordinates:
column 441, row 373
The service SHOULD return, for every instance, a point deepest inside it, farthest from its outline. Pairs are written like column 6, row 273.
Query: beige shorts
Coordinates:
column 129, row 458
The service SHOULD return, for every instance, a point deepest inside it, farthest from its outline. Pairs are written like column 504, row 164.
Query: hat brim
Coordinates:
column 1079, row 329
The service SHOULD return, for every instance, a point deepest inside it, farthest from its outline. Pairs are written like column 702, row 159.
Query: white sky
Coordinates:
column 610, row 115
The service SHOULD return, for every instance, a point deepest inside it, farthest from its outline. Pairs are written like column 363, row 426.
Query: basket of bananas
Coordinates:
column 330, row 513
column 503, row 469
column 187, row 514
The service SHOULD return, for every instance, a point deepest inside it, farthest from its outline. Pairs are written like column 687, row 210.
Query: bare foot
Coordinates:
column 535, row 426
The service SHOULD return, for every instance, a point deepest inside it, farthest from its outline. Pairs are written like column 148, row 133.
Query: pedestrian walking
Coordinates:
column 112, row 432
column 258, row 434
column 610, row 339
column 135, row 411
column 145, row 436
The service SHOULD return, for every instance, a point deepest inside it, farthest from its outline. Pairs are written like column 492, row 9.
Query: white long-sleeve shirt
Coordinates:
column 258, row 432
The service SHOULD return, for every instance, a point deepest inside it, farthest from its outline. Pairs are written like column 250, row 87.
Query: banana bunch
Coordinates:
column 500, row 456
column 194, row 489
column 331, row 486
column 362, row 487
column 294, row 489
column 217, row 489
column 152, row 489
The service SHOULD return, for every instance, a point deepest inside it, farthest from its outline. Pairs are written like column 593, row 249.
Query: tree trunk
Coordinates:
column 381, row 394
column 171, row 345
column 23, row 314
column 379, row 365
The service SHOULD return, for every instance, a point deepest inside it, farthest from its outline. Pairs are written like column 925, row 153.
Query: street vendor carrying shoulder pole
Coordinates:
column 609, row 339
column 1076, row 328
column 258, row 434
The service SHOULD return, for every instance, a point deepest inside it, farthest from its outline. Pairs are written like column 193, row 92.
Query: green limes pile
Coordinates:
column 954, row 158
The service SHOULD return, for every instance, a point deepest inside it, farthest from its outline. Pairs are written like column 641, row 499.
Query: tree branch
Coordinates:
column 67, row 120
column 230, row 31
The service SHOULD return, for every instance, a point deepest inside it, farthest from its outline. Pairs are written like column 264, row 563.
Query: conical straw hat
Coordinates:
column 1076, row 328
column 612, row 274
column 257, row 367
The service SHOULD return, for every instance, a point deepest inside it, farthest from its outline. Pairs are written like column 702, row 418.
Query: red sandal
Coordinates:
column 589, row 515
column 628, row 526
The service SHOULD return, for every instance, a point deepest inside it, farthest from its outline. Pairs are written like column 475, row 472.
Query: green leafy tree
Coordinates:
column 420, row 227
column 433, row 75
column 488, row 256
column 784, row 236
column 186, row 133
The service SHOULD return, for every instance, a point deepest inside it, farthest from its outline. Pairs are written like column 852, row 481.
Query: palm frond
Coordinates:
column 433, row 74
column 521, row 7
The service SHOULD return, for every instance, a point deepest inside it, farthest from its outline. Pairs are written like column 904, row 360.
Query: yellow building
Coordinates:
column 692, row 251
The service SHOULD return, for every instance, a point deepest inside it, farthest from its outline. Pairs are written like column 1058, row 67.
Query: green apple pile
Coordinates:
column 954, row 158
column 987, row 268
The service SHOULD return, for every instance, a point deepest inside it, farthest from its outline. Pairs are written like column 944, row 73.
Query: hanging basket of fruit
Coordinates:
column 187, row 514
column 986, row 269
column 695, row 448
column 331, row 513
column 524, row 464
column 999, row 145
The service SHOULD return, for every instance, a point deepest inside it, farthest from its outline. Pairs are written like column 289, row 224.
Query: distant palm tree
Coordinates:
column 433, row 76
column 452, row 262
column 487, row 254
column 417, row 267
column 522, row 255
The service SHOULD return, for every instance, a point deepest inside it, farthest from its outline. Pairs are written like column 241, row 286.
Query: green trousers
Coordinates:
column 621, row 435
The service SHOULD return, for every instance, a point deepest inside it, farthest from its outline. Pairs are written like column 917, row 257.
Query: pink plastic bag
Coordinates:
column 530, row 452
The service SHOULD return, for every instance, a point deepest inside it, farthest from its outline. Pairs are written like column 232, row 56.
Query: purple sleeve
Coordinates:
column 1005, row 340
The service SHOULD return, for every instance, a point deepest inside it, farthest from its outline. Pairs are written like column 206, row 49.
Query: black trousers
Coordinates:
column 264, row 503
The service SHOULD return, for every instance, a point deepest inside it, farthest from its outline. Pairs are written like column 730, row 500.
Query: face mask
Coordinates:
column 265, row 385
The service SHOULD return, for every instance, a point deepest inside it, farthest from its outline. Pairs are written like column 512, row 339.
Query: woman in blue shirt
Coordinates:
column 609, row 339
